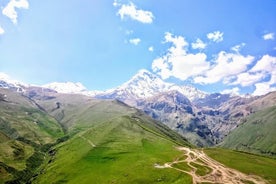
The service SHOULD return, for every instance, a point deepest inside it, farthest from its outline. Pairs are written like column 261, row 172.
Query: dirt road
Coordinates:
column 205, row 169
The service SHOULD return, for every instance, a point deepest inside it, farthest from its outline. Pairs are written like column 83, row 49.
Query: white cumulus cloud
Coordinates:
column 10, row 11
column 266, row 64
column 179, row 44
column 177, row 62
column 247, row 78
column 135, row 41
column 225, row 65
column 233, row 91
column 268, row 36
column 229, row 68
column 151, row 48
column 263, row 88
column 262, row 75
column 237, row 48
column 161, row 67
column 199, row 44
column 215, row 36
column 116, row 3
column 2, row 31
column 131, row 11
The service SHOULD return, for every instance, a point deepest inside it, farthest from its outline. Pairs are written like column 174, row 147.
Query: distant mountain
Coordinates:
column 206, row 121
column 177, row 112
column 69, row 88
column 66, row 87
column 213, row 100
column 144, row 85
column 7, row 83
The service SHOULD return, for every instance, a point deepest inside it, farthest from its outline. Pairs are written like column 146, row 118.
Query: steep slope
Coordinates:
column 177, row 112
column 224, row 113
column 256, row 134
column 75, row 111
column 24, row 131
column 21, row 117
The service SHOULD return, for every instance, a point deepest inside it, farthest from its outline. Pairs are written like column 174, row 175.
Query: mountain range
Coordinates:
column 202, row 118
column 64, row 132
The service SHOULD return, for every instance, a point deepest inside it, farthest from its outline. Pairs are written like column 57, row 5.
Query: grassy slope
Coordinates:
column 78, row 112
column 128, row 144
column 256, row 135
column 246, row 163
column 24, row 128
column 124, row 153
column 20, row 117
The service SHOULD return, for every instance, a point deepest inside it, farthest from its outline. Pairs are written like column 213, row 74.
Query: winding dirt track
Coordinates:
column 218, row 172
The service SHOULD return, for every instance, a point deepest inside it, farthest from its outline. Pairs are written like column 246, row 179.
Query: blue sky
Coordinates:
column 214, row 45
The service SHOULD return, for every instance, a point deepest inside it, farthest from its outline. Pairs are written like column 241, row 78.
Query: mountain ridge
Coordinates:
column 204, row 119
column 143, row 84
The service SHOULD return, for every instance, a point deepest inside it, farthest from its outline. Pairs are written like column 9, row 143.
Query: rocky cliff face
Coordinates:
column 177, row 112
column 206, row 121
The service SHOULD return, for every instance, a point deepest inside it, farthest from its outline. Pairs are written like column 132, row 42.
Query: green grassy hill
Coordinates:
column 24, row 131
column 256, row 134
column 121, row 150
column 110, row 142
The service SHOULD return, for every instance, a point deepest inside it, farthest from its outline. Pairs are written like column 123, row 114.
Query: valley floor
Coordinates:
column 204, row 169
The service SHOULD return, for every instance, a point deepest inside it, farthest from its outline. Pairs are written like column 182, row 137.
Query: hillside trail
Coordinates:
column 88, row 141
column 215, row 171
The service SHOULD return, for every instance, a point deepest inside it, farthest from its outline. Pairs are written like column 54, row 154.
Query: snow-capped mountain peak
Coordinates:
column 146, row 84
column 66, row 87
column 69, row 87
column 7, row 82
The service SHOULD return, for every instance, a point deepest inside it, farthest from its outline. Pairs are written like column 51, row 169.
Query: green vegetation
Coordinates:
column 24, row 129
column 75, row 139
column 124, row 152
column 256, row 134
column 104, row 142
column 201, row 170
column 15, row 153
column 246, row 163
column 183, row 166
